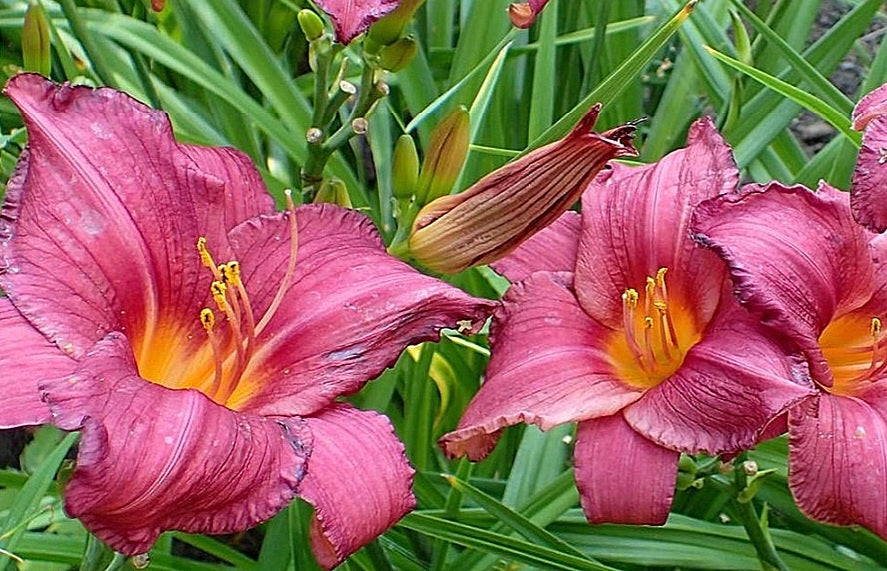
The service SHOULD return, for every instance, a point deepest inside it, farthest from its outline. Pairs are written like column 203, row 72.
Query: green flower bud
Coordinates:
column 311, row 24
column 35, row 40
column 391, row 27
column 333, row 191
column 398, row 55
column 405, row 168
column 445, row 157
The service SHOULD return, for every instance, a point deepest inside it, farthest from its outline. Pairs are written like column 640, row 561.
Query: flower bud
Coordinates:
column 391, row 27
column 311, row 24
column 399, row 54
column 333, row 191
column 498, row 212
column 404, row 168
column 35, row 40
column 445, row 157
column 524, row 14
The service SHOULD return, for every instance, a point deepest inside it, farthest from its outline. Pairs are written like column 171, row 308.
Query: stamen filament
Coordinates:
column 629, row 307
column 208, row 319
column 290, row 267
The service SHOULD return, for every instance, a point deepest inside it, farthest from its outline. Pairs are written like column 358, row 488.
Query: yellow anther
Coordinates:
column 648, row 322
column 219, row 290
column 876, row 326
column 231, row 271
column 651, row 286
column 208, row 319
column 205, row 256
column 660, row 277
column 630, row 297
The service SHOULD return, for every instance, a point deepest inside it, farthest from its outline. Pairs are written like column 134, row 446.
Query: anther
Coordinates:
column 208, row 319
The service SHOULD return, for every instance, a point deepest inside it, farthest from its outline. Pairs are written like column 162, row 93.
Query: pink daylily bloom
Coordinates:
column 619, row 322
column 524, row 14
column 868, row 189
column 352, row 17
column 207, row 395
column 823, row 285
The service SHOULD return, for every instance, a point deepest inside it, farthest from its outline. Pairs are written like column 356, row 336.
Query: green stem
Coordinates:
column 758, row 534
column 319, row 152
column 96, row 555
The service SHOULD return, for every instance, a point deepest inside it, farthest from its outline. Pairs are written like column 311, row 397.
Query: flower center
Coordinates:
column 216, row 367
column 855, row 348
column 653, row 341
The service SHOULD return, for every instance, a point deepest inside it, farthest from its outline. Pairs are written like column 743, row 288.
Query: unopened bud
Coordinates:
column 359, row 126
column 404, row 168
column 157, row 5
column 524, row 14
column 399, row 54
column 445, row 157
column 36, row 53
column 388, row 29
column 311, row 24
column 333, row 191
column 501, row 210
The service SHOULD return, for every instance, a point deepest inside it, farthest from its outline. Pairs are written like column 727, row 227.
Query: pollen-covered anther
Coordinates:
column 207, row 319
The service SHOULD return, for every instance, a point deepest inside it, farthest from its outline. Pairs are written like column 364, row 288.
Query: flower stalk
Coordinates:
column 755, row 525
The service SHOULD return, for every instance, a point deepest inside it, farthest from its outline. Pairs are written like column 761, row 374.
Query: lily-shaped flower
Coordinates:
column 352, row 17
column 619, row 321
column 496, row 214
column 198, row 339
column 868, row 190
column 823, row 284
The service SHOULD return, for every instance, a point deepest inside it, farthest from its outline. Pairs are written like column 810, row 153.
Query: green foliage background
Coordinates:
column 236, row 73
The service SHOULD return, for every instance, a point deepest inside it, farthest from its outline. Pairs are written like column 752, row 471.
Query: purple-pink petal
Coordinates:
column 26, row 359
column 838, row 461
column 548, row 367
column 622, row 477
column 552, row 249
column 616, row 252
column 873, row 104
column 349, row 312
column 102, row 216
column 153, row 459
column 868, row 188
column 732, row 383
column 358, row 481
column 352, row 17
column 797, row 281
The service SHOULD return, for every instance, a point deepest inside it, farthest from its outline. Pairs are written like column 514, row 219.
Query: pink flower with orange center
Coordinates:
column 617, row 320
column 199, row 339
column 802, row 264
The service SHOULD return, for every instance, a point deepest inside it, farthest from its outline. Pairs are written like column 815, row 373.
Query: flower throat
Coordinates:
column 217, row 370
column 655, row 336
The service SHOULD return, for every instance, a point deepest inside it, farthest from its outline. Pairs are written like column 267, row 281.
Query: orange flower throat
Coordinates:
column 855, row 348
column 652, row 342
column 216, row 368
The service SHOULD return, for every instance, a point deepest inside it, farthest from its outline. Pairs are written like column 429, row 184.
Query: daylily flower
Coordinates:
column 868, row 190
column 618, row 321
column 524, row 14
column 352, row 17
column 822, row 284
column 494, row 215
column 198, row 339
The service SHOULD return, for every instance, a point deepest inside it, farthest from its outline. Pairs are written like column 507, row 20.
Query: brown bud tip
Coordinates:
column 521, row 15
column 157, row 5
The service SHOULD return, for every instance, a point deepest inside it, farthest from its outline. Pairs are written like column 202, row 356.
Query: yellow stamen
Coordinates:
column 208, row 319
column 206, row 258
column 657, row 353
